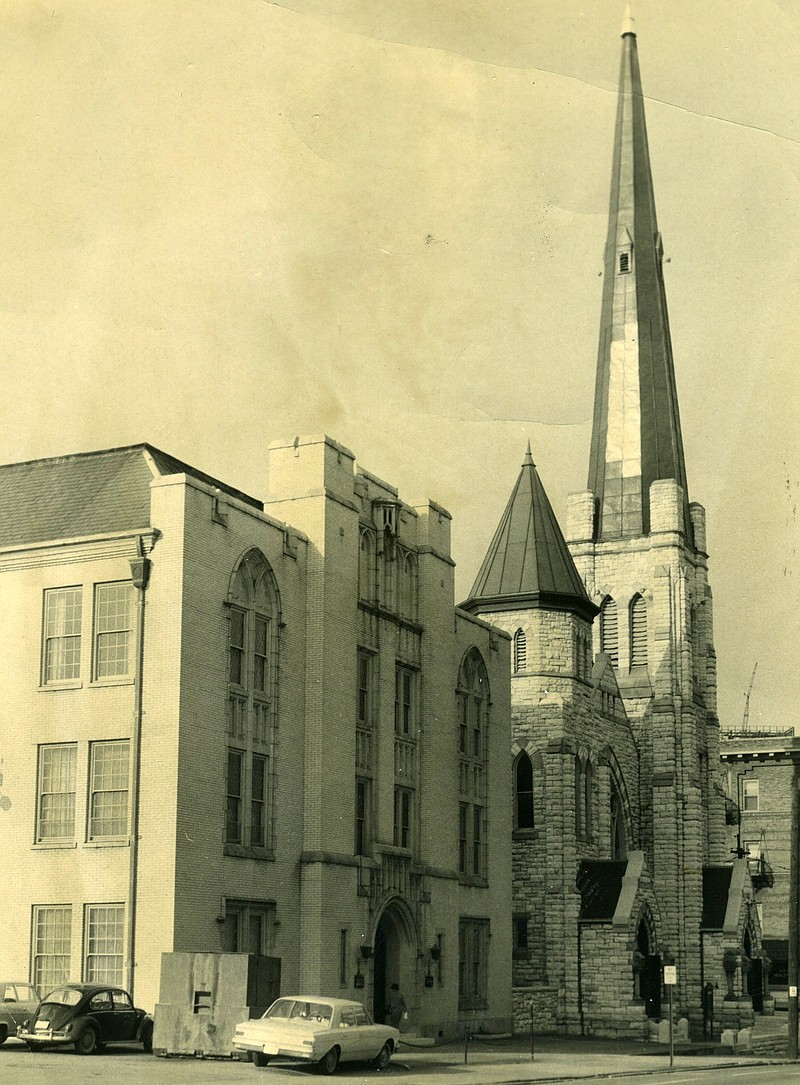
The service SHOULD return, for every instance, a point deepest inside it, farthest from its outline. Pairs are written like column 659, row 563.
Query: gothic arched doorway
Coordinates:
column 394, row 954
column 753, row 967
column 649, row 970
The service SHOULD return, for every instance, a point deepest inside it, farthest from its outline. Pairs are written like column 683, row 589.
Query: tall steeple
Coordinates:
column 636, row 434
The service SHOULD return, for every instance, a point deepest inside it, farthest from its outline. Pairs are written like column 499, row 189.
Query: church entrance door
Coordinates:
column 393, row 949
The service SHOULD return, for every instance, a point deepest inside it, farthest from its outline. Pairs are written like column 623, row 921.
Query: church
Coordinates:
column 262, row 726
column 620, row 860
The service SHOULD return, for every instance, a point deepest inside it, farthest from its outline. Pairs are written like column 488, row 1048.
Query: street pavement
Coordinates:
column 497, row 1063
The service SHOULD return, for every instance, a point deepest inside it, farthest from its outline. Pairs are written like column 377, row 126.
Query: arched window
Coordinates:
column 366, row 566
column 638, row 628
column 579, row 797
column 619, row 847
column 473, row 719
column 523, row 792
column 520, row 651
column 254, row 618
column 609, row 629
column 588, row 798
column 407, row 571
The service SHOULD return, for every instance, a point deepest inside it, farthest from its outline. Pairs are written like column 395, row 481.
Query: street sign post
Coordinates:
column 670, row 979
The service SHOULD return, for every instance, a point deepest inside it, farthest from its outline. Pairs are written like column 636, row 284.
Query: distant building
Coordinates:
column 621, row 862
column 226, row 733
column 759, row 767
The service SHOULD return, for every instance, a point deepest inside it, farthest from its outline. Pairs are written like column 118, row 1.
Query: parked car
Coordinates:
column 18, row 1000
column 89, row 1016
column 325, row 1031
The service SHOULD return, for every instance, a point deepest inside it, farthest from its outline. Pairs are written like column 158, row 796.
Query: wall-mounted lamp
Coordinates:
column 219, row 919
column 435, row 952
column 366, row 952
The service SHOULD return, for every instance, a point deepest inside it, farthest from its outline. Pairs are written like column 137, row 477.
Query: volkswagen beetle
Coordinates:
column 87, row 1016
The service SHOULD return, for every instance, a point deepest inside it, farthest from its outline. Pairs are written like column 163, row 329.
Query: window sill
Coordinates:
column 525, row 834
column 53, row 845
column 112, row 842
column 475, row 880
column 521, row 954
column 56, row 687
column 244, row 851
column 104, row 683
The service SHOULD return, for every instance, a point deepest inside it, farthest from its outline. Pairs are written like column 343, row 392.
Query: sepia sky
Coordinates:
column 226, row 222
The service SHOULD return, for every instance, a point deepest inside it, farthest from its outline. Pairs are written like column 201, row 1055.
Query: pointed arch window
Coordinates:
column 253, row 620
column 638, row 631
column 473, row 721
column 366, row 566
column 619, row 847
column 523, row 792
column 520, row 651
column 609, row 629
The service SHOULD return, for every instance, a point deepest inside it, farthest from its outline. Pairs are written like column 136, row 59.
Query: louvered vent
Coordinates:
column 609, row 629
column 520, row 651
column 638, row 632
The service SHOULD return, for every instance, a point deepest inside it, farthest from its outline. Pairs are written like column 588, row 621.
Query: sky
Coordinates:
column 229, row 222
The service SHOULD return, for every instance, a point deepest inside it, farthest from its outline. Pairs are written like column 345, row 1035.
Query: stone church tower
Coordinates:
column 620, row 863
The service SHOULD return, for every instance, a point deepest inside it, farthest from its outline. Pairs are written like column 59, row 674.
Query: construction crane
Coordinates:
column 746, row 716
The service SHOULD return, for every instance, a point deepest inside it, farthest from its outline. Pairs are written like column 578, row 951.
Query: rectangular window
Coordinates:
column 260, row 654
column 477, row 840
column 108, row 790
column 235, row 794
column 61, row 651
column 258, row 801
column 104, row 942
column 56, row 806
column 402, row 817
column 52, row 941
column 343, row 959
column 462, row 726
column 463, row 836
column 363, row 794
column 750, row 795
column 472, row 963
column 112, row 629
column 248, row 927
column 404, row 722
column 520, row 933
column 236, row 649
column 477, row 730
column 364, row 689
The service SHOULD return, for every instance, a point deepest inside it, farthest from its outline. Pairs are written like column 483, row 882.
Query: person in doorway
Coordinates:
column 395, row 1006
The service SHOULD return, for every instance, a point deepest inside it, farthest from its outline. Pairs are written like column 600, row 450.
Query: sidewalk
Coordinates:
column 555, row 1058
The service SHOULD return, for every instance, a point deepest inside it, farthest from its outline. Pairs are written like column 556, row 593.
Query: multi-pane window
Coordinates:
column 403, row 797
column 750, row 795
column 108, row 789
column 638, row 630
column 113, row 611
column 364, row 689
column 61, row 650
column 52, row 943
column 520, row 934
column 584, row 792
column 472, row 714
column 104, row 943
column 250, row 721
column 362, row 829
column 56, row 799
column 248, row 926
column 404, row 721
column 609, row 629
column 523, row 792
column 473, row 943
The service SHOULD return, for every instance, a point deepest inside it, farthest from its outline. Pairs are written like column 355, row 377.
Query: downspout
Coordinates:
column 580, row 979
column 140, row 572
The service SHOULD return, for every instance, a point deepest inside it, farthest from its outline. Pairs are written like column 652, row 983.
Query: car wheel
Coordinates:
column 383, row 1057
column 32, row 1046
column 260, row 1059
column 3, row 1033
column 328, row 1063
column 147, row 1040
column 86, row 1044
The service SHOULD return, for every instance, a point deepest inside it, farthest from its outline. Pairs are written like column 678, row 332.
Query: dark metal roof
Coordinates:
column 90, row 493
column 528, row 563
column 599, row 883
column 716, row 891
column 636, row 433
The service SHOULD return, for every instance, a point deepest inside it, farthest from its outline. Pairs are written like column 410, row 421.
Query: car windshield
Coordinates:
column 64, row 996
column 298, row 1010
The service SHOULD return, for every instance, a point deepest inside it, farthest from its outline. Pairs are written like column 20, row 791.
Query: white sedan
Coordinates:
column 320, row 1030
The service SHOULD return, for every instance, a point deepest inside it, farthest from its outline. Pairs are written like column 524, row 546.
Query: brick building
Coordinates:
column 234, row 734
column 758, row 771
column 619, row 849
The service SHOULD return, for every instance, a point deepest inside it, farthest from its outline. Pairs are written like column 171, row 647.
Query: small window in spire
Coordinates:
column 624, row 263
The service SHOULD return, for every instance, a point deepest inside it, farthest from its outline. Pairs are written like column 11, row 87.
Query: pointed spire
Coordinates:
column 528, row 563
column 628, row 22
column 636, row 434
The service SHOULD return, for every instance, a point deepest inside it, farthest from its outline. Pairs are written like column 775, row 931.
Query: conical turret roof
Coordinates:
column 528, row 563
